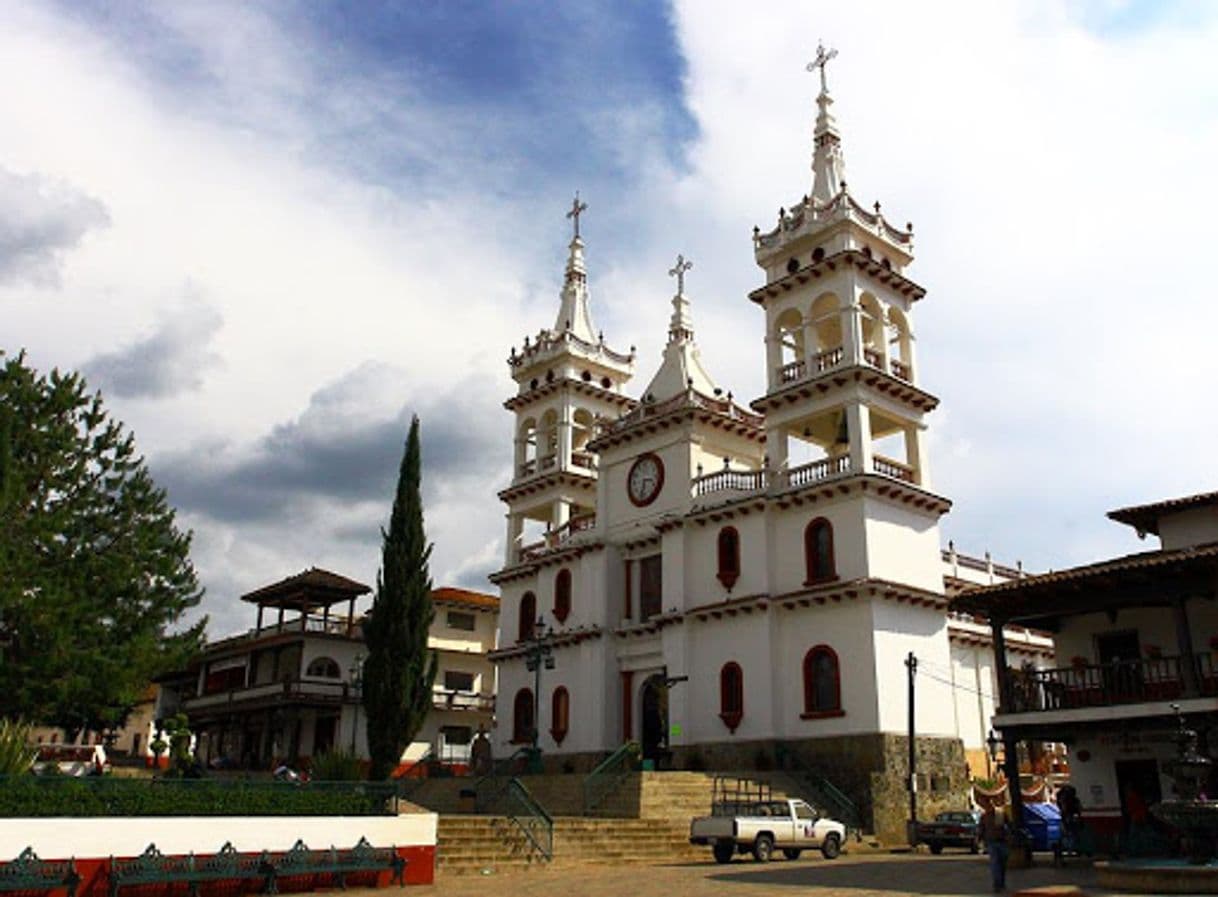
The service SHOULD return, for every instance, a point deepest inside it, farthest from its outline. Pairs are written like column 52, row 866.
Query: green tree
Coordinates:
column 93, row 570
column 400, row 669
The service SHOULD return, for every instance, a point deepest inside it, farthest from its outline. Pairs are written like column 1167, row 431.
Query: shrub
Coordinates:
column 39, row 796
column 336, row 766
column 16, row 755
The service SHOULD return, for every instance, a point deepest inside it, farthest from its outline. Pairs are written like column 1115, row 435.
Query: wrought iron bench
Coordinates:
column 363, row 857
column 29, row 873
column 153, row 867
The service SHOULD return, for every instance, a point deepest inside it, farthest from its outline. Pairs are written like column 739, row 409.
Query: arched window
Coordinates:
column 324, row 667
column 562, row 595
column 729, row 556
column 522, row 717
column 560, row 714
column 822, row 683
column 528, row 617
column 818, row 551
column 731, row 695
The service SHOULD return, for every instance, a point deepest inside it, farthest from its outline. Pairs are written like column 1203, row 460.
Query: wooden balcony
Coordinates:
column 448, row 699
column 297, row 690
column 1108, row 685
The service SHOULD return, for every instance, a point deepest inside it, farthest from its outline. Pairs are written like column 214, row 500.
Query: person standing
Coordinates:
column 994, row 831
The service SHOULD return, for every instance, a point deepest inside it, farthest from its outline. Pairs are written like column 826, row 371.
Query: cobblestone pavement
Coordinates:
column 876, row 875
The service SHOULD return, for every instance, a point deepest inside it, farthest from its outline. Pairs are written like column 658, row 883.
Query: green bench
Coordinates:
column 153, row 867
column 363, row 857
column 28, row 873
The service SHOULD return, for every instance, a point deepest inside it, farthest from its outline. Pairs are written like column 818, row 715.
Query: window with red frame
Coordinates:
column 729, row 556
column 528, row 617
column 731, row 695
column 562, row 595
column 560, row 714
column 522, row 717
column 822, row 683
column 818, row 550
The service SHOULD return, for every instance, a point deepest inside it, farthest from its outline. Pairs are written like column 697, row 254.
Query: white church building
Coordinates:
column 719, row 580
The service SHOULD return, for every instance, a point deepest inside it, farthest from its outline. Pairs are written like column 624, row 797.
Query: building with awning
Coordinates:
column 1136, row 638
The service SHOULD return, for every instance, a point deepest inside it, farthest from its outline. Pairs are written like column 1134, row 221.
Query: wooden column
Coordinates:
column 1010, row 766
column 351, row 616
column 1184, row 639
column 258, row 628
column 1000, row 666
column 627, row 705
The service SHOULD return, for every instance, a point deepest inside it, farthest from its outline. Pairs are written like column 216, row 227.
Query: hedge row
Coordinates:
column 23, row 796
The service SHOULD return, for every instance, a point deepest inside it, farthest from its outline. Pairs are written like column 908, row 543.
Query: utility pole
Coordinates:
column 911, row 664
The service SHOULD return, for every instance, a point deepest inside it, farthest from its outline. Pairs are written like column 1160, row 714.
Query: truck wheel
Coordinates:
column 762, row 848
column 791, row 853
column 935, row 848
column 832, row 847
column 724, row 852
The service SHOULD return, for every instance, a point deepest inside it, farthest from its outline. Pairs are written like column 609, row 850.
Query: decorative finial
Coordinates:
column 822, row 59
column 678, row 271
column 877, row 207
column 577, row 208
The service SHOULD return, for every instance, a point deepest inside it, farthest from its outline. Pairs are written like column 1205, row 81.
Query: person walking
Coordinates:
column 994, row 832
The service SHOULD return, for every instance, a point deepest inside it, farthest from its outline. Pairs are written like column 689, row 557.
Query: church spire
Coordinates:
column 681, row 368
column 828, row 165
column 574, row 315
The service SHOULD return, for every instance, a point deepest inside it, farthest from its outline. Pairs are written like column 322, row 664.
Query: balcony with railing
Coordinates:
column 300, row 689
column 729, row 480
column 557, row 537
column 450, row 699
column 829, row 359
column 895, row 469
column 1153, row 679
column 580, row 461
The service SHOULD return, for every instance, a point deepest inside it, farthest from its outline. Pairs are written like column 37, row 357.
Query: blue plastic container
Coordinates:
column 1043, row 823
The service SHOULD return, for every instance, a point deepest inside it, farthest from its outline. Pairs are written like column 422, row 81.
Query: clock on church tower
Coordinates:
column 645, row 479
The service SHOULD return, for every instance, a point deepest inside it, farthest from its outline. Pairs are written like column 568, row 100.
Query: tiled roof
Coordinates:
column 314, row 587
column 1028, row 594
column 449, row 595
column 1145, row 518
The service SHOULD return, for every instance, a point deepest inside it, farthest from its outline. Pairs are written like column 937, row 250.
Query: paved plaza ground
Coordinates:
column 874, row 875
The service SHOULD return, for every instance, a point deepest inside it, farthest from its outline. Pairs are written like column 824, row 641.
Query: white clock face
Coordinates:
column 646, row 478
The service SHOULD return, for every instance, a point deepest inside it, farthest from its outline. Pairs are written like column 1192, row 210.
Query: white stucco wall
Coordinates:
column 1192, row 527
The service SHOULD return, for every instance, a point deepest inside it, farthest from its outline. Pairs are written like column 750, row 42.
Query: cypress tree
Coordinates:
column 400, row 670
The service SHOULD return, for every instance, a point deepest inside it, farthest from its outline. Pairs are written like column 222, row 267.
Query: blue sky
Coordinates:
column 271, row 232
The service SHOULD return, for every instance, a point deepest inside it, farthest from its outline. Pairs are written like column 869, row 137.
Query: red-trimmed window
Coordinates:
column 731, row 695
column 560, row 714
column 729, row 556
column 528, row 617
column 822, row 683
column 522, row 717
column 818, row 551
column 562, row 595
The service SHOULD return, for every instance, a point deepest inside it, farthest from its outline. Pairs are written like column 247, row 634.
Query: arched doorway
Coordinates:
column 655, row 719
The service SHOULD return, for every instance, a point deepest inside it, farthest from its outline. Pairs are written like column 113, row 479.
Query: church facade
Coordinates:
column 726, row 583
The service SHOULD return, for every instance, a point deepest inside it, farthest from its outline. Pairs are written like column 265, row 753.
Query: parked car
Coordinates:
column 71, row 759
column 791, row 826
column 954, row 828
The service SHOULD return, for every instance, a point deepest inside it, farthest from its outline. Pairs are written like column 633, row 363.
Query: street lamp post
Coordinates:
column 538, row 653
column 991, row 743
column 357, row 685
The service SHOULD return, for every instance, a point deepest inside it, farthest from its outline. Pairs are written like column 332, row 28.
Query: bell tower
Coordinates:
column 843, row 403
column 567, row 379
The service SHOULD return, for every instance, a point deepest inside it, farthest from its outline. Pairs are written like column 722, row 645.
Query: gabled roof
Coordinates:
column 464, row 597
column 1145, row 518
column 308, row 589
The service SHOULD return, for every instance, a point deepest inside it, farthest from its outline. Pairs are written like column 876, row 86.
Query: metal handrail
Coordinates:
column 608, row 774
column 822, row 791
column 511, row 799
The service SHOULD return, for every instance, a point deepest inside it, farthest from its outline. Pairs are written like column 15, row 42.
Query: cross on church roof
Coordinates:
column 822, row 59
column 577, row 208
column 678, row 272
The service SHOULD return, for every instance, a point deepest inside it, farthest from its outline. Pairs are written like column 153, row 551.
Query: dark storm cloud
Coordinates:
column 330, row 453
column 40, row 220
column 170, row 361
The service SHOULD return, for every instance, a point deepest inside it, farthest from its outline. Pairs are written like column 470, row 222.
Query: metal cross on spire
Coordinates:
column 678, row 272
column 822, row 59
column 577, row 208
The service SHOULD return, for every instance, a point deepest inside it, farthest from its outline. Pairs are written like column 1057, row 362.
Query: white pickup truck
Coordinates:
column 791, row 826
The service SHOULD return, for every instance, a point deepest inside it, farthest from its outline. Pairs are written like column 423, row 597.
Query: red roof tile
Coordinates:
column 450, row 595
column 310, row 588
column 1145, row 518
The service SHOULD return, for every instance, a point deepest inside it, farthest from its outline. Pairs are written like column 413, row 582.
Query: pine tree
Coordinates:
column 93, row 570
column 400, row 670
